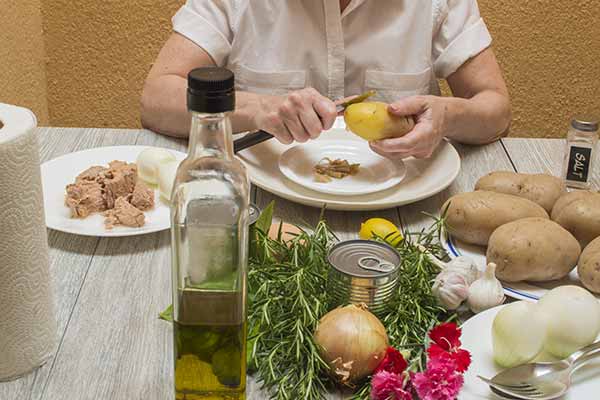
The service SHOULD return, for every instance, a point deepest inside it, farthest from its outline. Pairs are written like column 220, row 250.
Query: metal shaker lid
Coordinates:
column 364, row 258
column 585, row 123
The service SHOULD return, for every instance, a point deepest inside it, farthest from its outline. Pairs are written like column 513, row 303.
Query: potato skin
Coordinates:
column 589, row 266
column 542, row 189
column 473, row 216
column 579, row 213
column 532, row 249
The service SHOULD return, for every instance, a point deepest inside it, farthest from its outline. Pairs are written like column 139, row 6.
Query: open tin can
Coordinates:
column 363, row 271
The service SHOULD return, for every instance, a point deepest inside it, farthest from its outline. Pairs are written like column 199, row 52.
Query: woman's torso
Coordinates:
column 280, row 46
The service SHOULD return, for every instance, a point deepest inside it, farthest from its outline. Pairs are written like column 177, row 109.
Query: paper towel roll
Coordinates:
column 27, row 319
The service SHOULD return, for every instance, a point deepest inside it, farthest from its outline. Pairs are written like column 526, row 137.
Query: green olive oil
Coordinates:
column 210, row 351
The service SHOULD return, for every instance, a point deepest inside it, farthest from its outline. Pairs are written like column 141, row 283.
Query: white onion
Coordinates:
column 518, row 334
column 166, row 178
column 148, row 162
column 573, row 318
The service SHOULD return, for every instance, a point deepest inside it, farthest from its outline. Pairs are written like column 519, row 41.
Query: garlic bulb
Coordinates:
column 464, row 266
column 450, row 289
column 461, row 265
column 486, row 292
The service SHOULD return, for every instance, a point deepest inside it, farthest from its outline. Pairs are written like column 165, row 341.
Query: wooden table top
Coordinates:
column 109, row 291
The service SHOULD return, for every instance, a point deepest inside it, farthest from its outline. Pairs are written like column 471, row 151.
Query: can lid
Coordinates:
column 364, row 258
column 253, row 213
column 585, row 123
column 211, row 90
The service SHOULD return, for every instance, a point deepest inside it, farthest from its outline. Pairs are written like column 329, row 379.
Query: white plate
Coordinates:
column 375, row 174
column 58, row 173
column 477, row 338
column 517, row 290
column 424, row 178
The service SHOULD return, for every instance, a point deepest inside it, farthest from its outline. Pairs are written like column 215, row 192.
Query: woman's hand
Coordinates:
column 429, row 113
column 298, row 116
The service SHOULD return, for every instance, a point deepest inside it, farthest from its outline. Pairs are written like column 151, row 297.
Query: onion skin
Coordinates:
column 352, row 341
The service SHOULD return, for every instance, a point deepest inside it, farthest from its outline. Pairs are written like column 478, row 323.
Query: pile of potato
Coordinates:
column 533, row 228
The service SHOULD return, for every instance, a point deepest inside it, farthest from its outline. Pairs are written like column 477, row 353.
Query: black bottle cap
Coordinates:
column 211, row 90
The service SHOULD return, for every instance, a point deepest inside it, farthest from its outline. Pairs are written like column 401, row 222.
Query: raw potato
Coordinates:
column 372, row 121
column 579, row 213
column 472, row 217
column 589, row 266
column 532, row 249
column 542, row 189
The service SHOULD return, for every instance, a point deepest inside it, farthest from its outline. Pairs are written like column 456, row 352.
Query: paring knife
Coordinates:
column 257, row 137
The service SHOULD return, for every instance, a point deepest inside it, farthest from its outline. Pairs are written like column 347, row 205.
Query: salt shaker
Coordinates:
column 581, row 145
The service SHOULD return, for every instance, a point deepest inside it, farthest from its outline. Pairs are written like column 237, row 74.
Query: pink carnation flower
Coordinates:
column 441, row 380
column 388, row 386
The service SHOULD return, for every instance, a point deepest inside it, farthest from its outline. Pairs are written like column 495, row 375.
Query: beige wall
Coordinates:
column 550, row 53
column 22, row 70
column 98, row 53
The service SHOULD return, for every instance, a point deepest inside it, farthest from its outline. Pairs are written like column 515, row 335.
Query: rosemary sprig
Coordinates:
column 287, row 293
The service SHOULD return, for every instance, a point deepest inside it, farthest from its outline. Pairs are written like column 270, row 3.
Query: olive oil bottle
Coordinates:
column 209, row 231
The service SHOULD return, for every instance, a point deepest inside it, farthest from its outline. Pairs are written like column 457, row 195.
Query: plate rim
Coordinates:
column 399, row 166
column 343, row 203
column 107, row 233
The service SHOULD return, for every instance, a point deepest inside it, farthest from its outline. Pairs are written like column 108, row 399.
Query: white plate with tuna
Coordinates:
column 62, row 171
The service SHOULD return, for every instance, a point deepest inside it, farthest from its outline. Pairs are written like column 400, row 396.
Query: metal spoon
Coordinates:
column 541, row 381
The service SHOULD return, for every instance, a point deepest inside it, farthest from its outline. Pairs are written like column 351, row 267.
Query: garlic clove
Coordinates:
column 486, row 292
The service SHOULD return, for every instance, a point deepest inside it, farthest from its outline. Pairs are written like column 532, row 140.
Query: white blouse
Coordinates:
column 397, row 47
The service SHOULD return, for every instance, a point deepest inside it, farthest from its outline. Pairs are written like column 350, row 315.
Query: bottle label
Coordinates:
column 579, row 164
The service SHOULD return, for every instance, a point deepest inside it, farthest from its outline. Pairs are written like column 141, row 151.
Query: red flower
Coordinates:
column 389, row 386
column 392, row 362
column 446, row 335
column 446, row 344
column 441, row 380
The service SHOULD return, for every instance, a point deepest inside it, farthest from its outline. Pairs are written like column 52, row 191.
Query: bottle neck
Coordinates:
column 210, row 136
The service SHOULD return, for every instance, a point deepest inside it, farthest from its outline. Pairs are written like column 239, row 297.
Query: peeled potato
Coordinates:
column 148, row 162
column 372, row 121
column 288, row 231
column 166, row 177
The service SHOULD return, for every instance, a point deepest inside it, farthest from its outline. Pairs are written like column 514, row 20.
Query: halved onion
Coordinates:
column 166, row 178
column 148, row 162
column 573, row 316
column 518, row 334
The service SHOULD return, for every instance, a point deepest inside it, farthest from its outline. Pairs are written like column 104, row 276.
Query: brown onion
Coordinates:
column 352, row 341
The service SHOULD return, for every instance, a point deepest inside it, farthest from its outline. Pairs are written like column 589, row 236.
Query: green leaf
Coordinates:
column 167, row 314
column 265, row 219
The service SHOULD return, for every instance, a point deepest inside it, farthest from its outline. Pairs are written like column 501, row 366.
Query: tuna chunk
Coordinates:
column 91, row 174
column 124, row 214
column 142, row 197
column 118, row 181
column 84, row 198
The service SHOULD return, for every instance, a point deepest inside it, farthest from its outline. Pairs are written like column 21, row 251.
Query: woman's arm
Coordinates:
column 298, row 116
column 480, row 113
